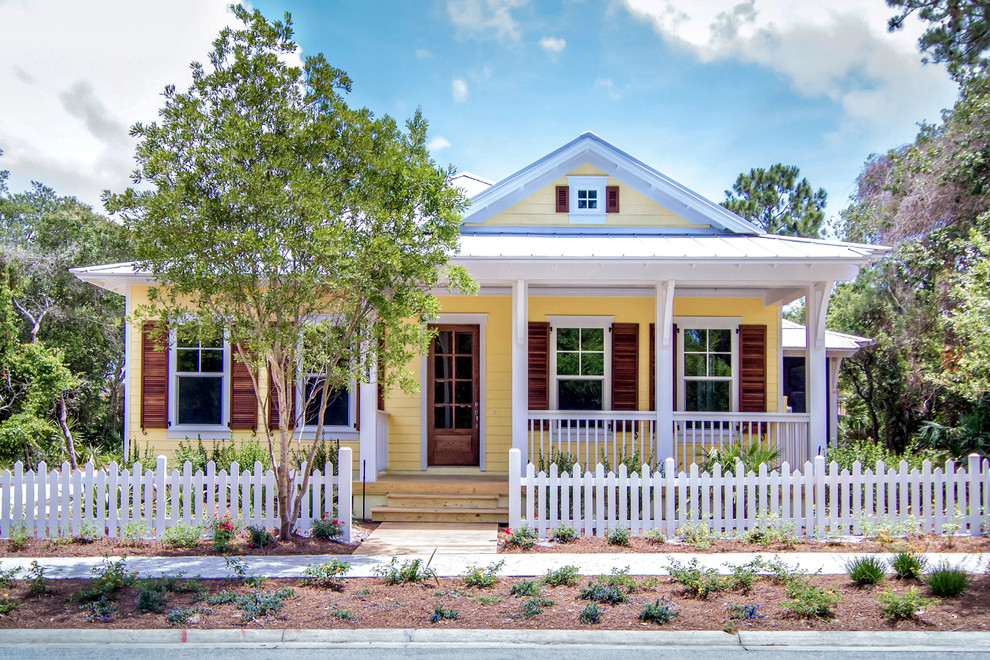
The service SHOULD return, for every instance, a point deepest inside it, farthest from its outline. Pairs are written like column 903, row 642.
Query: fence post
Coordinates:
column 973, row 498
column 819, row 469
column 344, row 504
column 160, row 497
column 515, row 488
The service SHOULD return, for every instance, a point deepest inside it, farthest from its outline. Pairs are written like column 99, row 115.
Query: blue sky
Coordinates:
column 700, row 90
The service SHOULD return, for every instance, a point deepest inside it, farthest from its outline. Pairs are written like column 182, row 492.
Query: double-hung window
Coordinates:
column 708, row 361
column 341, row 409
column 580, row 363
column 199, row 394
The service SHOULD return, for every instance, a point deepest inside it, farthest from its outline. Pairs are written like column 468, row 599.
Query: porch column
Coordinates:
column 664, row 374
column 520, row 368
column 815, row 376
column 368, row 421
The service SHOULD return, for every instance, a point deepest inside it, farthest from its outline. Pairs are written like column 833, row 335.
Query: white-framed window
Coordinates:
column 200, row 381
column 580, row 362
column 341, row 412
column 708, row 364
column 587, row 199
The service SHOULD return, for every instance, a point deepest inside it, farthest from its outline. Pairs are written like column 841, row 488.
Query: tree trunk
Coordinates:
column 63, row 424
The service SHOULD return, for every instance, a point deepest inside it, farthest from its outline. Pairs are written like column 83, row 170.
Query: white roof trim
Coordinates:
column 591, row 149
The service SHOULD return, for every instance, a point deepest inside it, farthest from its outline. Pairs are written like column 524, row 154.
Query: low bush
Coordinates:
column 522, row 537
column 259, row 537
column 697, row 581
column 111, row 577
column 600, row 593
column 655, row 536
column 38, row 583
column 483, row 577
column 151, row 601
column 327, row 529
column 263, row 603
column 535, row 606
column 908, row 565
column 591, row 614
column 619, row 577
column 563, row 534
column 659, row 612
column 617, row 536
column 343, row 615
column 811, row 602
column 743, row 612
column 410, row 571
column 7, row 606
column 328, row 575
column 440, row 614
column 182, row 536
column 564, row 576
column 526, row 588
column 100, row 610
column 178, row 616
column 132, row 533
column 224, row 529
column 866, row 571
column 947, row 582
column 6, row 577
column 911, row 604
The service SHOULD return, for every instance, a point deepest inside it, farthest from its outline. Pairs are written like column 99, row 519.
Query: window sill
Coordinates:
column 587, row 218
column 344, row 433
column 194, row 432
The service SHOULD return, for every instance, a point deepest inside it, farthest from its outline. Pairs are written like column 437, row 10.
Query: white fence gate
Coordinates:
column 817, row 500
column 60, row 502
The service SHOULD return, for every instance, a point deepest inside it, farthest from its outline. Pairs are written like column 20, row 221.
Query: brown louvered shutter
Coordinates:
column 611, row 199
column 539, row 365
column 653, row 364
column 563, row 204
column 154, row 376
column 752, row 368
column 625, row 366
column 243, row 404
column 273, row 406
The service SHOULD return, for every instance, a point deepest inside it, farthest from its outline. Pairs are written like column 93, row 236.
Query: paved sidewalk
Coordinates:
column 447, row 565
column 416, row 538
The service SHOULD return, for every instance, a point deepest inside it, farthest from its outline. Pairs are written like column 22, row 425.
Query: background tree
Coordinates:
column 959, row 34
column 274, row 209
column 777, row 202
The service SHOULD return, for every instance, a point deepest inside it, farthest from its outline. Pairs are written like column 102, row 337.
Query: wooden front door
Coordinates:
column 453, row 408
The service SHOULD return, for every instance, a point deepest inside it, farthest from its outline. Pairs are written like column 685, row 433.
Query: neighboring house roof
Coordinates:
column 590, row 149
column 471, row 184
column 838, row 344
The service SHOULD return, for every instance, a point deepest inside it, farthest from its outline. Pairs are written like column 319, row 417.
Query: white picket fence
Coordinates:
column 61, row 502
column 818, row 500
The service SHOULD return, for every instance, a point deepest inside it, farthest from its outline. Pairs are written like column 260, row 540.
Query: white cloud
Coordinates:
column 485, row 17
column 438, row 143
column 423, row 53
column 459, row 90
column 553, row 44
column 76, row 75
column 609, row 87
column 838, row 49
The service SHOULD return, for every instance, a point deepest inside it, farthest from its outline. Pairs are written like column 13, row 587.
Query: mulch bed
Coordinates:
column 373, row 604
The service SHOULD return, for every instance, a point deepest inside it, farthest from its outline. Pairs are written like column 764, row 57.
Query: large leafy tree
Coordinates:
column 309, row 231
column 775, row 200
column 958, row 32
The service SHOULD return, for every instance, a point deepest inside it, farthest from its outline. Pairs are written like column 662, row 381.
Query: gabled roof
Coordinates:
column 793, row 339
column 591, row 149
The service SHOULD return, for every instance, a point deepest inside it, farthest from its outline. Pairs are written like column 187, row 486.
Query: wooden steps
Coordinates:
column 435, row 506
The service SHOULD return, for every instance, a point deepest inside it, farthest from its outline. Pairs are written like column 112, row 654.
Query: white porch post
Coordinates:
column 815, row 376
column 664, row 375
column 520, row 368
column 368, row 435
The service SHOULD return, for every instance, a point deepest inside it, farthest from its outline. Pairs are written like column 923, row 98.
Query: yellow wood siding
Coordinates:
column 635, row 209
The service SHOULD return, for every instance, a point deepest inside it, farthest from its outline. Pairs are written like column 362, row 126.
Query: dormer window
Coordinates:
column 587, row 199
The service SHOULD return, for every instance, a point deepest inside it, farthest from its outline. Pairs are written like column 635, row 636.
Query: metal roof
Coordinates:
column 794, row 337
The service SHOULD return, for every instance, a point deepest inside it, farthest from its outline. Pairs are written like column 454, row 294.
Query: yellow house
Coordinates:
column 621, row 318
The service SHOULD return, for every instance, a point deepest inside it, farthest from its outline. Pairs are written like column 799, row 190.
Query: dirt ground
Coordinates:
column 370, row 603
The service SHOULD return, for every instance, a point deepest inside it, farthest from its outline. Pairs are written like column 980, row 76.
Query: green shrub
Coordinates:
column 563, row 576
column 6, row 577
column 100, row 610
column 591, row 614
column 866, row 571
column 327, row 528
column 743, row 612
column 19, row 536
column 659, row 612
column 133, row 533
column 600, row 593
column 327, row 575
column 525, row 588
column 178, row 616
column 655, row 536
column 743, row 576
column 410, row 571
column 522, row 537
column 111, row 577
column 259, row 537
column 343, row 615
column 697, row 581
column 484, row 578
column 440, row 614
column 751, row 457
column 908, row 565
column 151, row 601
column 947, row 582
column 908, row 606
column 698, row 534
column 867, row 452
column 617, row 536
column 86, row 533
column 263, row 603
column 811, row 602
column 224, row 529
column 563, row 534
column 619, row 577
column 535, row 606
column 488, row 600
column 38, row 584
column 182, row 536
column 7, row 606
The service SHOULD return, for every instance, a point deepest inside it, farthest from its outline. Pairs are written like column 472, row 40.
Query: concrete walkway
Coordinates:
column 449, row 565
column 418, row 538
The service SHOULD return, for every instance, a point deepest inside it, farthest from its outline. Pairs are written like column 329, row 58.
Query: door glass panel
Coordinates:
column 442, row 342
column 441, row 392
column 442, row 417
column 463, row 417
column 465, row 342
column 464, row 367
column 443, row 366
column 464, row 392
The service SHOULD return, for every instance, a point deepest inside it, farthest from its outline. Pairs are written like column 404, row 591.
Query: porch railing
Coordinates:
column 614, row 437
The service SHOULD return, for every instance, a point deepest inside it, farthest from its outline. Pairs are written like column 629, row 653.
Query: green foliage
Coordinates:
column 411, row 571
column 958, row 32
column 488, row 600
column 223, row 530
column 563, row 576
column 38, row 584
column 868, row 453
column 327, row 528
column 19, row 535
column 7, row 576
column 777, row 202
column 330, row 228
column 239, row 568
column 619, row 577
column 770, row 529
column 564, row 461
column 697, row 581
column 894, row 607
column 343, row 615
column 259, row 537
column 947, row 582
column 866, row 571
column 183, row 536
column 111, row 577
column 151, row 601
column 658, row 612
column 655, row 536
column 563, row 533
column 440, row 614
column 522, row 537
column 811, row 602
column 534, row 606
column 178, row 616
column 245, row 453
column 751, row 457
column 908, row 565
column 743, row 612
column 525, row 588
column 591, row 614
column 7, row 606
column 100, row 610
column 263, row 603
column 327, row 575
column 618, row 536
column 600, row 593
column 483, row 577
column 698, row 534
